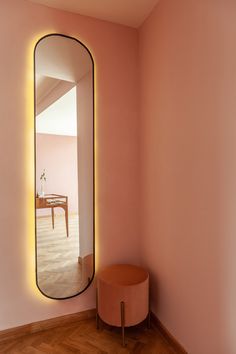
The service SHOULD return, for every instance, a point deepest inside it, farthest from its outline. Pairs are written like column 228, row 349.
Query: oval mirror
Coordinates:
column 64, row 166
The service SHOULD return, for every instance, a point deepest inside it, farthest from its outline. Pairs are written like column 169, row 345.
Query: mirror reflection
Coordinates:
column 64, row 166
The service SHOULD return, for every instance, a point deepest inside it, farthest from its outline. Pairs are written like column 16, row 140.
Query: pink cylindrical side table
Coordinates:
column 122, row 296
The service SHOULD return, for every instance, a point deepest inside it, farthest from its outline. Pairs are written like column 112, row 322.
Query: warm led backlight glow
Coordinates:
column 29, row 168
column 96, row 182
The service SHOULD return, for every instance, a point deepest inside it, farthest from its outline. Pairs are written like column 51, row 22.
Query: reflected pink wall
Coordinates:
column 115, row 54
column 57, row 154
column 188, row 148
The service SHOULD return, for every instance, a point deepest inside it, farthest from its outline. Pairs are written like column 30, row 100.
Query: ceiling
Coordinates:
column 126, row 12
column 60, row 64
column 60, row 118
column 49, row 90
column 62, row 58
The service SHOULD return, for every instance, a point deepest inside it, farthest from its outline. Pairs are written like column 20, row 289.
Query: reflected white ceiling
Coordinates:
column 60, row 118
column 49, row 90
column 60, row 65
column 126, row 12
column 62, row 58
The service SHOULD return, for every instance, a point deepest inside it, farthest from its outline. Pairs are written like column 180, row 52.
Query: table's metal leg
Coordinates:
column 97, row 315
column 149, row 313
column 97, row 320
column 122, row 317
column 149, row 320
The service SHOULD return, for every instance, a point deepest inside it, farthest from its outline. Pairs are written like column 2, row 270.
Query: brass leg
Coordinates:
column 149, row 313
column 122, row 316
column 97, row 315
column 149, row 320
column 97, row 320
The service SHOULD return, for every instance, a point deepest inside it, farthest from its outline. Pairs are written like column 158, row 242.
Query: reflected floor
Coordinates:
column 58, row 269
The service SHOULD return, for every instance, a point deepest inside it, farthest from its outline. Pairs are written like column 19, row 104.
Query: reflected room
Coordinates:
column 64, row 162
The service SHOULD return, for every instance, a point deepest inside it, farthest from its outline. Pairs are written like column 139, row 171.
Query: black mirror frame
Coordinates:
column 93, row 94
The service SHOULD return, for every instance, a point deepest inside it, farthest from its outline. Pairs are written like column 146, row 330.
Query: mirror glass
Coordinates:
column 64, row 166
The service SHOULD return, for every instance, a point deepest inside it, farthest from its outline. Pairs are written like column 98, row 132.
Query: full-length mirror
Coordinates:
column 64, row 166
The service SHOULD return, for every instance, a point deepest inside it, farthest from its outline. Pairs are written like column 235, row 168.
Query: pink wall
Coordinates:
column 57, row 154
column 188, row 148
column 115, row 53
column 188, row 168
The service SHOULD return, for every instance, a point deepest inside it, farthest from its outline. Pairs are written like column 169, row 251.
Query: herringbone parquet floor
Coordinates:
column 58, row 270
column 83, row 338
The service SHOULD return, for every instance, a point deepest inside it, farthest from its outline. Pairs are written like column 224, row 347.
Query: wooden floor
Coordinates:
column 58, row 270
column 83, row 338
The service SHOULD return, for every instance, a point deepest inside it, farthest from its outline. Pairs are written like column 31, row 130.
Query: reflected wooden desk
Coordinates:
column 54, row 201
